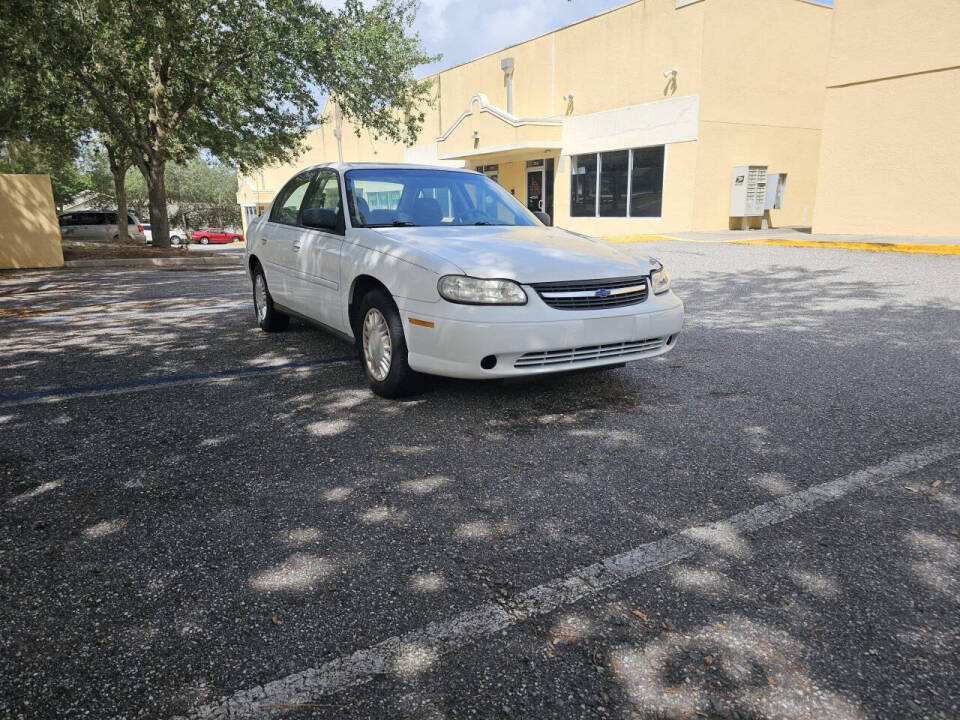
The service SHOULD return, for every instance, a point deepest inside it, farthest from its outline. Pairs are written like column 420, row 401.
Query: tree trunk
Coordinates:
column 119, row 164
column 159, row 222
column 120, row 188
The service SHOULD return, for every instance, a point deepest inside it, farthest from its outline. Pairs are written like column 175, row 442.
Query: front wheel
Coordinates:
column 204, row 241
column 268, row 317
column 237, row 239
column 383, row 348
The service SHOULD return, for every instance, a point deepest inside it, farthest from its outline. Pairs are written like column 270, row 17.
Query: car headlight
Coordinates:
column 660, row 280
column 477, row 291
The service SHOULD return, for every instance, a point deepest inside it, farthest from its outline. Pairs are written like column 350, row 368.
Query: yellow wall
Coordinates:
column 754, row 72
column 618, row 59
column 723, row 146
column 875, row 39
column 29, row 231
column 890, row 160
column 764, row 72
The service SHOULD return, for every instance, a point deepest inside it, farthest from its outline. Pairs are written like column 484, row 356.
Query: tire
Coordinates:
column 383, row 348
column 268, row 317
column 174, row 240
column 204, row 241
column 237, row 239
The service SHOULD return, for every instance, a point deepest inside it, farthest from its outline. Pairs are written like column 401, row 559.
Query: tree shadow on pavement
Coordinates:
column 219, row 535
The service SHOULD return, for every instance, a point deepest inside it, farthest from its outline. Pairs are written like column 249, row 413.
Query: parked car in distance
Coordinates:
column 148, row 233
column 215, row 235
column 98, row 226
column 441, row 271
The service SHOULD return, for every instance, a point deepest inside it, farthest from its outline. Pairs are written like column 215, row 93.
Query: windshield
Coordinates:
column 401, row 197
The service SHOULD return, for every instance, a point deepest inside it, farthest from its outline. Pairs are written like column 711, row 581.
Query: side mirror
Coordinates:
column 544, row 218
column 320, row 218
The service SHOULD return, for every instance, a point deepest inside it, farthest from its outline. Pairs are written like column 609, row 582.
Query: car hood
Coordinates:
column 527, row 254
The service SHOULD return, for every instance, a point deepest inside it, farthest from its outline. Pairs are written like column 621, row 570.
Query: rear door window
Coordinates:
column 286, row 208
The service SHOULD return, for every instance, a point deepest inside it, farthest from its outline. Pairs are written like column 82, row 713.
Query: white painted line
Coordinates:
column 415, row 651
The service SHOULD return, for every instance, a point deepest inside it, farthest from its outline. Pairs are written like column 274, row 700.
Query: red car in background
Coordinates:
column 215, row 235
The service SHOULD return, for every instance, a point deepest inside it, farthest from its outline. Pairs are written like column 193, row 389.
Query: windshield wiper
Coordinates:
column 403, row 223
column 483, row 222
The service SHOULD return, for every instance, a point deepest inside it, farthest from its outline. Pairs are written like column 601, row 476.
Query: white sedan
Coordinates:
column 440, row 271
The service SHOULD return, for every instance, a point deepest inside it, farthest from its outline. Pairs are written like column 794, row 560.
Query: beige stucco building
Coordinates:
column 629, row 122
column 890, row 161
column 29, row 230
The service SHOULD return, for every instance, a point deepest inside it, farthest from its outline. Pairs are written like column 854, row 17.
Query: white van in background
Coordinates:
column 98, row 226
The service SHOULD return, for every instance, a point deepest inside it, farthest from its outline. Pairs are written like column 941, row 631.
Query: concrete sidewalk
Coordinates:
column 792, row 237
column 225, row 261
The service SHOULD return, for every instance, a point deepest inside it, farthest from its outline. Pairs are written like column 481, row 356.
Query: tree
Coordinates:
column 205, row 193
column 240, row 78
column 21, row 156
column 120, row 159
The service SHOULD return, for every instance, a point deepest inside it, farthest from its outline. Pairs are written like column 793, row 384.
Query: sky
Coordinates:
column 461, row 30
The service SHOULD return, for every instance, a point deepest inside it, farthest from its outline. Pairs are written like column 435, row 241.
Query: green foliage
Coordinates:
column 200, row 194
column 21, row 156
column 240, row 78
column 99, row 180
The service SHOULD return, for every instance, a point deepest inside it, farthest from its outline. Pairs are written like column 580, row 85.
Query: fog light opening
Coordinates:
column 671, row 339
column 489, row 362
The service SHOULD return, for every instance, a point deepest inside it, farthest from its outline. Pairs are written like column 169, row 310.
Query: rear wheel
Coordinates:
column 268, row 317
column 383, row 348
column 204, row 240
column 237, row 239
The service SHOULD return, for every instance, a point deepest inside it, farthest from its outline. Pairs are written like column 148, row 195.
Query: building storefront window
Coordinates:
column 621, row 183
column 614, row 172
column 583, row 186
column 646, row 182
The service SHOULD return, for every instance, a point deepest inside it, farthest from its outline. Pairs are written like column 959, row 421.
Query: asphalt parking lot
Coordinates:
column 198, row 519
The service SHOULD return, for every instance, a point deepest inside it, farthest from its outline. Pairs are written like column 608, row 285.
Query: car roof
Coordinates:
column 343, row 167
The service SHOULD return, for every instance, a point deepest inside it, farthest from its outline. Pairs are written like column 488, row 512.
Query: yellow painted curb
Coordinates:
column 915, row 248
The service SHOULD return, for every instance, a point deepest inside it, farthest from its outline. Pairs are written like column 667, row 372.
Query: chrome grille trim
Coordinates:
column 590, row 353
column 582, row 294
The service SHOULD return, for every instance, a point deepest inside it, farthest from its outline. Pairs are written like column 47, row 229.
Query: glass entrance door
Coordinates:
column 535, row 189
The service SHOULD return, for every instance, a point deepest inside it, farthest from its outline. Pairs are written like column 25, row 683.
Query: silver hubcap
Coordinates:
column 377, row 348
column 260, row 297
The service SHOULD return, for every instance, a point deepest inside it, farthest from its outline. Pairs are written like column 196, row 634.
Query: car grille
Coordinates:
column 577, row 356
column 593, row 294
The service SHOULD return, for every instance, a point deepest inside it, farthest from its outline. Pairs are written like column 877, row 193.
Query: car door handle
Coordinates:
column 296, row 244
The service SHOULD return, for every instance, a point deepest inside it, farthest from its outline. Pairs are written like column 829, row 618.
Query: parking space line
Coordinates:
column 127, row 386
column 406, row 655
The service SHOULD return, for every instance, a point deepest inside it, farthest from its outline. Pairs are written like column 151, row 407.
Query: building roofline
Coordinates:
column 817, row 3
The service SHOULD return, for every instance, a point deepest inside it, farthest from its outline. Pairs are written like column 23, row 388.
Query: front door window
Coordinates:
column 535, row 190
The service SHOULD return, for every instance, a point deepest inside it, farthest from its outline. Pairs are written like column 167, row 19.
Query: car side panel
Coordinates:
column 261, row 245
column 413, row 278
